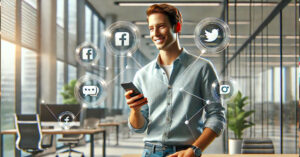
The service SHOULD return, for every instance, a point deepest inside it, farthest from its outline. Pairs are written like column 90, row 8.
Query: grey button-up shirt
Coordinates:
column 173, row 115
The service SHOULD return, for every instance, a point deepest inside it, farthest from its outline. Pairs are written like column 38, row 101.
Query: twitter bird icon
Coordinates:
column 211, row 36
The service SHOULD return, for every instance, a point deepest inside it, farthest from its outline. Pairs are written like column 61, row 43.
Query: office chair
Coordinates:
column 29, row 134
column 257, row 146
column 71, row 140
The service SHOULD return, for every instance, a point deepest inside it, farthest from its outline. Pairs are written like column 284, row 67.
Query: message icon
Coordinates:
column 122, row 39
column 90, row 90
column 224, row 89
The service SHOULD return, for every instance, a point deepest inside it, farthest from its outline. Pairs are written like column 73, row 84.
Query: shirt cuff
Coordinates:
column 215, row 125
column 141, row 130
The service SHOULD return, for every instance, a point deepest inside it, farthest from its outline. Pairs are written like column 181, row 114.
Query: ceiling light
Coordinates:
column 179, row 3
column 254, row 4
column 239, row 22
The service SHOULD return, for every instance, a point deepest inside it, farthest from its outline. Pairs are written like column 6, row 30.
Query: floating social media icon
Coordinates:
column 66, row 119
column 224, row 89
column 122, row 39
column 211, row 36
column 87, row 54
column 90, row 90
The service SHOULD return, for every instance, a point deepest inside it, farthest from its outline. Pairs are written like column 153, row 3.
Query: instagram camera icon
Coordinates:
column 224, row 89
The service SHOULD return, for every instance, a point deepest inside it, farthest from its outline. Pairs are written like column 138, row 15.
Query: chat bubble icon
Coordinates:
column 90, row 90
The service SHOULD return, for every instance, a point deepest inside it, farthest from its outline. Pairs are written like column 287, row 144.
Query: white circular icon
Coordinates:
column 212, row 35
column 87, row 54
column 66, row 120
column 90, row 90
column 222, row 90
column 121, row 38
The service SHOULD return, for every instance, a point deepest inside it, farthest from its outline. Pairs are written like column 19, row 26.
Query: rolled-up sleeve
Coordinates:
column 215, row 112
column 144, row 109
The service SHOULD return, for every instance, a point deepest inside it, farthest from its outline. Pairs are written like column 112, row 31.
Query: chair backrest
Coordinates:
column 257, row 146
column 29, row 132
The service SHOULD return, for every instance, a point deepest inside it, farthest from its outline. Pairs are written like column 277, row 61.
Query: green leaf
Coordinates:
column 237, row 115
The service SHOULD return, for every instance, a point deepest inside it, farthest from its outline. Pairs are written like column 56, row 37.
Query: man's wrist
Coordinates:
column 197, row 151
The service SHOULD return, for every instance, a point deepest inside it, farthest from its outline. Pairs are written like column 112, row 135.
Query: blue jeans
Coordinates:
column 153, row 150
column 157, row 153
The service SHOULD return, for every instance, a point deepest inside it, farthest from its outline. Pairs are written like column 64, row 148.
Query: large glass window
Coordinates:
column 8, row 50
column 72, row 73
column 88, row 24
column 59, row 81
column 29, row 84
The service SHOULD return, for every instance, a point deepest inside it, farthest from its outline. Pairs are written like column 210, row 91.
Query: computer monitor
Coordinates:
column 98, row 113
column 51, row 112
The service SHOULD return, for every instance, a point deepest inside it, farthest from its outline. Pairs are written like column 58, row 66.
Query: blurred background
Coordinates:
column 39, row 38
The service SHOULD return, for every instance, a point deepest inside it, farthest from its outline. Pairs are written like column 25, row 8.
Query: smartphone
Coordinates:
column 131, row 86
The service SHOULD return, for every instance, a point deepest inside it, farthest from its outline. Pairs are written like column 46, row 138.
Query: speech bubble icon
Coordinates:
column 90, row 90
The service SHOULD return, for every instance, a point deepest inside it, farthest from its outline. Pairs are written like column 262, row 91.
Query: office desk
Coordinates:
column 91, row 132
column 113, row 124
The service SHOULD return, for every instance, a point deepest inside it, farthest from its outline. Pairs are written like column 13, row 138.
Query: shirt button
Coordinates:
column 168, row 119
column 169, row 86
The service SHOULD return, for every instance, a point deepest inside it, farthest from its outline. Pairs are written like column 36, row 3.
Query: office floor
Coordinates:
column 132, row 145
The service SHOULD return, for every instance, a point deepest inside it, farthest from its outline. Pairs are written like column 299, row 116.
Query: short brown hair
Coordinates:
column 172, row 12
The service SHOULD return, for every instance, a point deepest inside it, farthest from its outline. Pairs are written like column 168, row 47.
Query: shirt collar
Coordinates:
column 179, row 59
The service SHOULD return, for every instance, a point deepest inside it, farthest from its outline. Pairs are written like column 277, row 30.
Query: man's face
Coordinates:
column 161, row 31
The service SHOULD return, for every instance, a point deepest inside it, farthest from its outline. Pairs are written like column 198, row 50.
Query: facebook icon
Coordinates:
column 122, row 38
column 87, row 54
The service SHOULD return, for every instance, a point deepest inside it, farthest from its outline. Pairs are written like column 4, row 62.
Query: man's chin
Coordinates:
column 159, row 47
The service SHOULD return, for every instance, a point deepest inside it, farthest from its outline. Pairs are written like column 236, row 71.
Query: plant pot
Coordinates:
column 235, row 146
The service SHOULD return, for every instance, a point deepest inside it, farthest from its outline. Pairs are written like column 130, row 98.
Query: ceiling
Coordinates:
column 192, row 15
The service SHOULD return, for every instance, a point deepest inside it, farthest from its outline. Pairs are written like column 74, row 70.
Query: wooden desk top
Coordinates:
column 59, row 131
column 112, row 123
column 109, row 124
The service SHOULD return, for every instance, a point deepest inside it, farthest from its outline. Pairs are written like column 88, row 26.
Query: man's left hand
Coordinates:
column 184, row 153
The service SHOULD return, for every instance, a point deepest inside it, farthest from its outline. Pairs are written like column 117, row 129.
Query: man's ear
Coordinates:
column 178, row 27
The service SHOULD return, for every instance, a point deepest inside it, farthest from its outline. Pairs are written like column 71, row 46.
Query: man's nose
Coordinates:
column 156, row 32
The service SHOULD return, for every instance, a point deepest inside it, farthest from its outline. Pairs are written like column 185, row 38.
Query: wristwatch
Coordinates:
column 197, row 151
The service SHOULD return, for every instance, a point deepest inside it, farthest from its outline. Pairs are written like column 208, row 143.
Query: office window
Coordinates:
column 29, row 84
column 8, row 19
column 72, row 29
column 72, row 73
column 59, row 81
column 8, row 50
column 29, row 25
column 60, row 29
column 88, row 24
column 95, row 30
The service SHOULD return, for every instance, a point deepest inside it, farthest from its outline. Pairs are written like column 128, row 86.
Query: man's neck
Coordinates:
column 168, row 56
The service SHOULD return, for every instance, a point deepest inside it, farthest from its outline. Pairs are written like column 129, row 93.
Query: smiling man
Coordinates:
column 175, row 87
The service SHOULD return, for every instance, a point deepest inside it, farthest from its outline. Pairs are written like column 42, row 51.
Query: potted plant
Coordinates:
column 237, row 121
column 68, row 93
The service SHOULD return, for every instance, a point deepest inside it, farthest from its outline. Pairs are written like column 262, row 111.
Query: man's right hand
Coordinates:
column 132, row 103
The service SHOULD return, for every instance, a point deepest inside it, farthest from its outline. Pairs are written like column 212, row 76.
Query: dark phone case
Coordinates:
column 131, row 86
